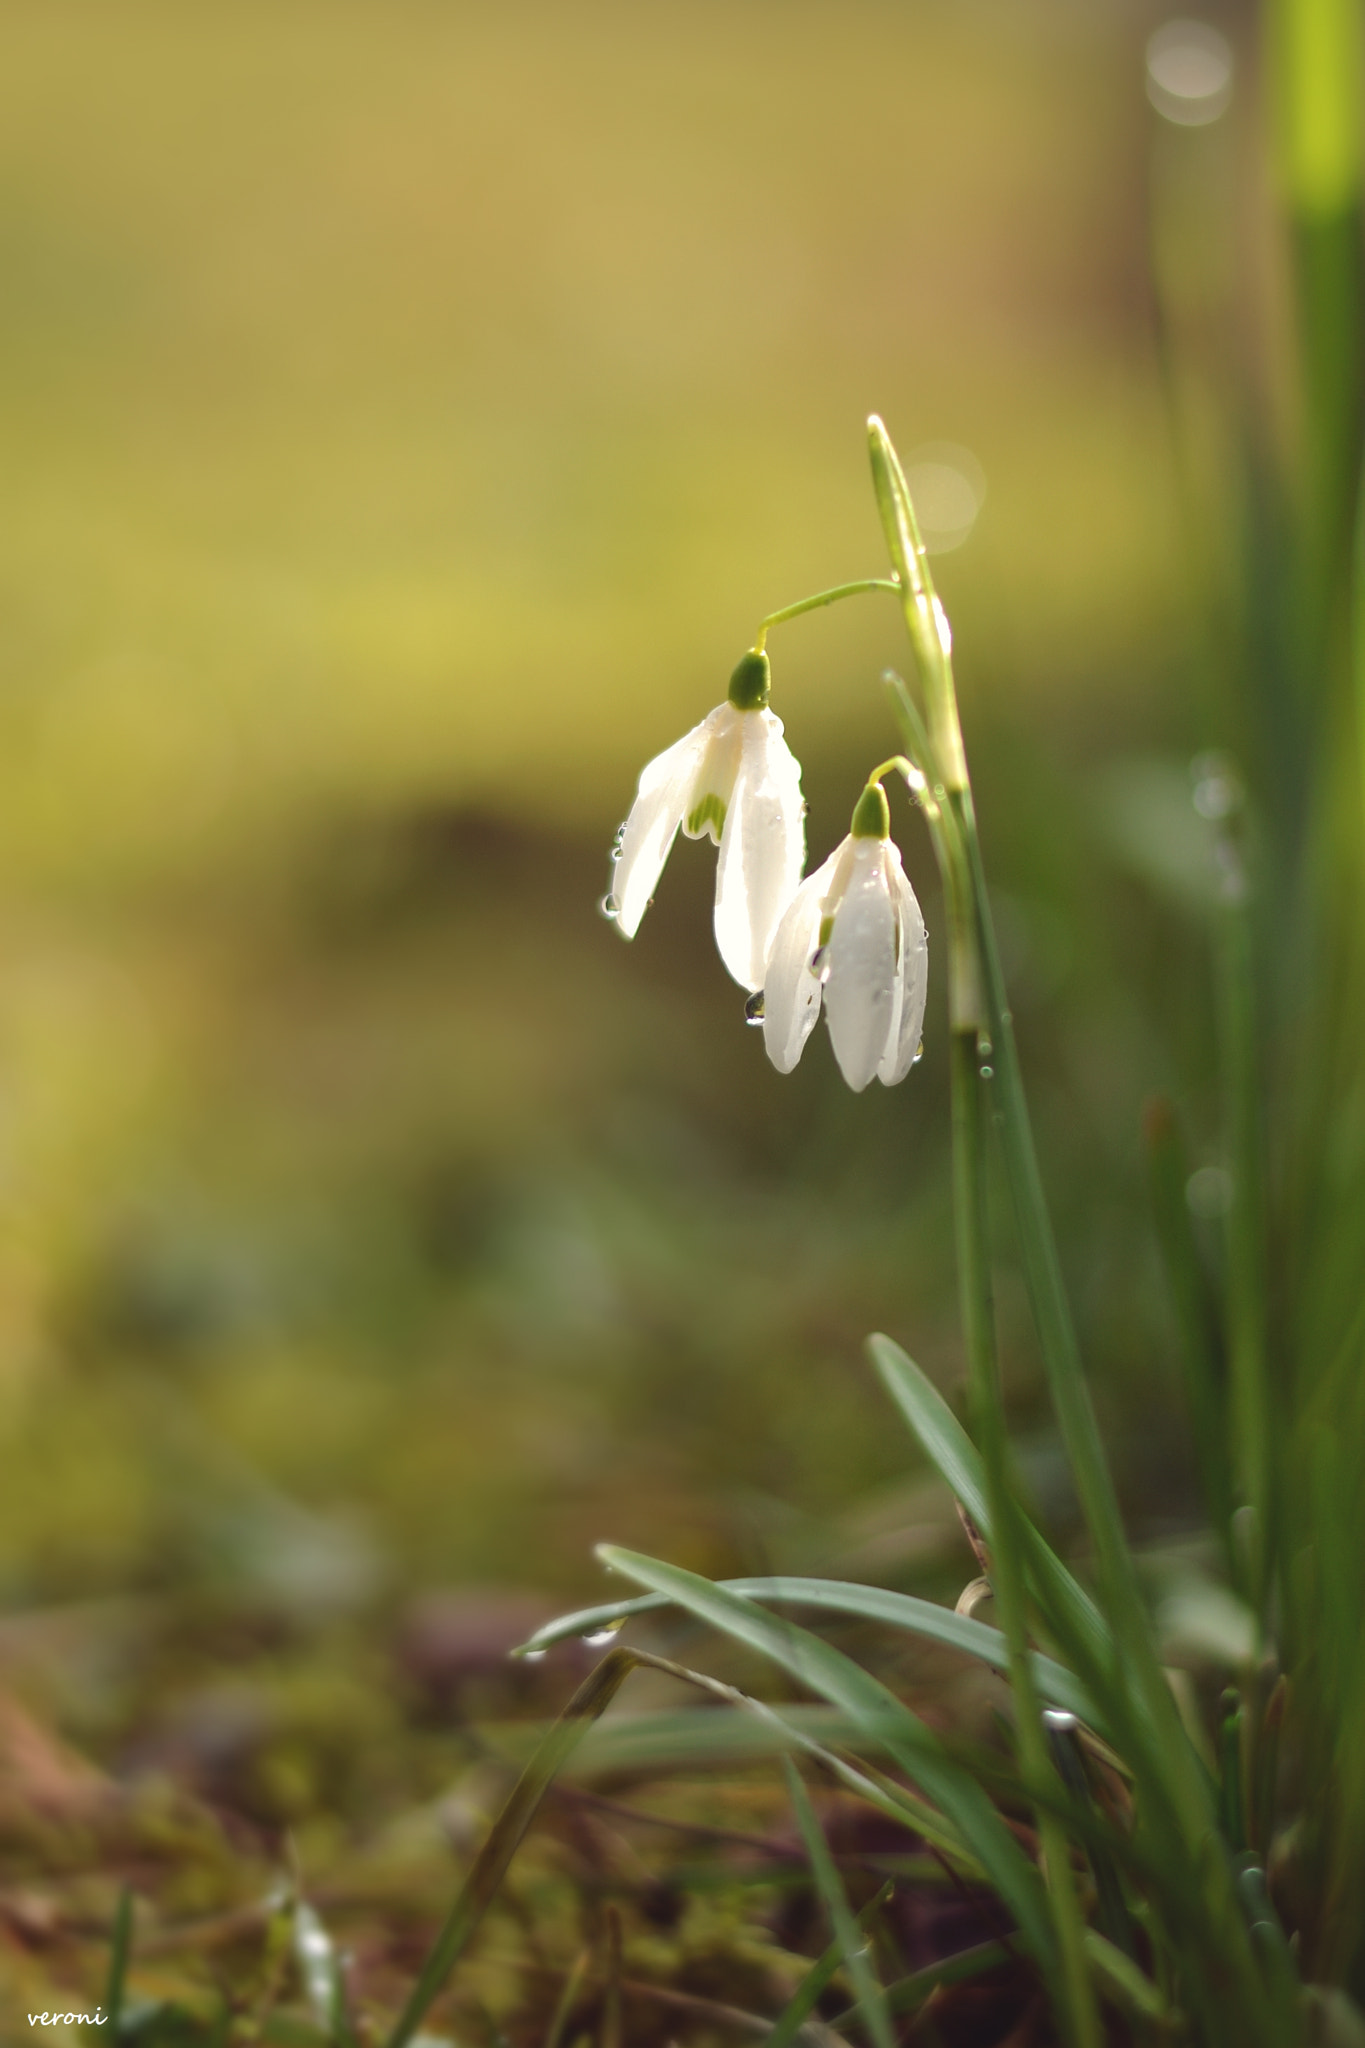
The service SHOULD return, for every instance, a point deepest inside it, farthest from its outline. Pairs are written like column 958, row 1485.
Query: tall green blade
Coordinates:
column 1196, row 1313
column 870, row 2000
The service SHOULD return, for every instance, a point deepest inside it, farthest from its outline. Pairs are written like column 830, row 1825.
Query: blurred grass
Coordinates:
column 371, row 372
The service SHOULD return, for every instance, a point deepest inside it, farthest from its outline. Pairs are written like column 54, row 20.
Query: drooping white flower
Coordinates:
column 852, row 937
column 735, row 779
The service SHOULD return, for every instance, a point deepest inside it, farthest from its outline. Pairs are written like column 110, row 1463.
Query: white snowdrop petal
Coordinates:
column 664, row 792
column 860, row 1005
column 762, row 848
column 913, row 976
column 791, row 992
column 713, row 786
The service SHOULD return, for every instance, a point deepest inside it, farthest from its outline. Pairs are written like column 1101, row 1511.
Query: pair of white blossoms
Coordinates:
column 851, row 935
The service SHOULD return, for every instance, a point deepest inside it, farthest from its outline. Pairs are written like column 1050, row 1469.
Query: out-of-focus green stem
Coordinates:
column 1177, row 1796
column 1196, row 1315
column 1317, row 69
column 1075, row 1993
column 1248, row 1364
column 1070, row 1394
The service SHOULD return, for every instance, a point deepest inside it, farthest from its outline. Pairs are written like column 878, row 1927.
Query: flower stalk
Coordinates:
column 818, row 602
column 1178, row 1814
column 924, row 616
column 1075, row 1994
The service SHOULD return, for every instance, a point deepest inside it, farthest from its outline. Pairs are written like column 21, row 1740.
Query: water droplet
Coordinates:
column 919, row 1054
column 599, row 1636
column 532, row 1656
column 609, row 908
column 1217, row 792
column 1213, row 797
column 617, row 842
column 988, row 1073
column 984, row 1048
column 1208, row 1191
column 753, row 1009
column 1189, row 73
column 819, row 965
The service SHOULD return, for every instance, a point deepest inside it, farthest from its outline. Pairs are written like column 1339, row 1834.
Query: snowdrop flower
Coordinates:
column 734, row 778
column 852, row 936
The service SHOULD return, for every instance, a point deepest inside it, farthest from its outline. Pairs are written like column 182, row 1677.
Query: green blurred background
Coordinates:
column 408, row 412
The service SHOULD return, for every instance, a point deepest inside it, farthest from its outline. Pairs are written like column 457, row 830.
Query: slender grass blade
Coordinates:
column 869, row 1603
column 118, row 1963
column 490, row 1866
column 870, row 2003
column 787, row 2028
column 568, row 1998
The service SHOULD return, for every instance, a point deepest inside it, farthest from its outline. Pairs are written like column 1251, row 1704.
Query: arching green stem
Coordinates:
column 817, row 603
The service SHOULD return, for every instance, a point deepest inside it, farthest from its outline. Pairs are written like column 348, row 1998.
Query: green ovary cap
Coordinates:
column 751, row 683
column 871, row 814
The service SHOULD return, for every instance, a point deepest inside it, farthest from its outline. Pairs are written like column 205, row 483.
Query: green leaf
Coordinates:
column 1071, row 1615
column 490, row 1865
column 1135, row 1988
column 878, row 1714
column 870, row 2003
column 586, row 1621
column 787, row 2028
column 870, row 1603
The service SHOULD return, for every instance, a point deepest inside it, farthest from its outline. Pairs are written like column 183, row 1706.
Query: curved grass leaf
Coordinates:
column 1060, row 1687
column 895, row 1801
column 1071, row 1615
column 587, row 1621
column 1136, row 1991
column 878, row 1713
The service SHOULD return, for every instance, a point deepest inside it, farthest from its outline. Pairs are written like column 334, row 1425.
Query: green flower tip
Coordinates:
column 871, row 814
column 752, row 682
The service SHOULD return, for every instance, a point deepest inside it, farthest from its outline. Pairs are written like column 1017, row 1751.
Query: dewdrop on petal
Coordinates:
column 852, row 939
column 734, row 779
